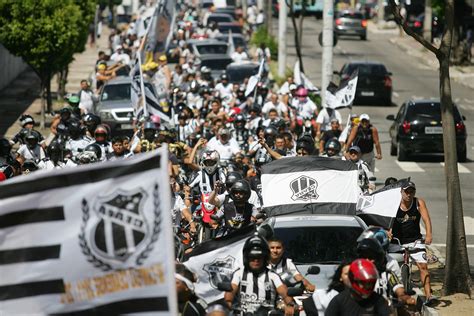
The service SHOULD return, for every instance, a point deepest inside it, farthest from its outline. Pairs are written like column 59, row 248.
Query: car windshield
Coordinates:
column 366, row 69
column 428, row 111
column 351, row 15
column 310, row 245
column 216, row 64
column 120, row 92
column 212, row 49
column 220, row 18
column 239, row 74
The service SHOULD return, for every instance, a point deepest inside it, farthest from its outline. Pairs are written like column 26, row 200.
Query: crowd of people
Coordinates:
column 218, row 139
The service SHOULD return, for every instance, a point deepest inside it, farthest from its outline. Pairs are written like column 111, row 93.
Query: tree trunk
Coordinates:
column 303, row 12
column 49, row 100
column 43, row 104
column 457, row 278
column 268, row 16
column 62, row 81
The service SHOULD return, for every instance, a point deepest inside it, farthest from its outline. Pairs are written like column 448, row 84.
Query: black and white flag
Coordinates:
column 344, row 95
column 380, row 207
column 216, row 261
column 311, row 185
column 91, row 239
column 300, row 78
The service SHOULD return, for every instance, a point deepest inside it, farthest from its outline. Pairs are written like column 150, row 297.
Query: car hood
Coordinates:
column 110, row 105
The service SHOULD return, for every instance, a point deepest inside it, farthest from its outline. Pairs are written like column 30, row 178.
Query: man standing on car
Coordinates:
column 406, row 228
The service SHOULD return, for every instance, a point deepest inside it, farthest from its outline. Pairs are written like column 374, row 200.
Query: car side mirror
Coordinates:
column 335, row 72
column 389, row 73
column 224, row 286
column 105, row 96
column 463, row 118
column 390, row 117
column 313, row 270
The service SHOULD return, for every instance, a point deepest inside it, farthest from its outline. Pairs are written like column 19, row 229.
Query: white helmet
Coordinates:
column 209, row 161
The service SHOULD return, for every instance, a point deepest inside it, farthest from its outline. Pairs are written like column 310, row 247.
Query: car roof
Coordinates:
column 364, row 62
column 313, row 220
column 245, row 63
column 221, row 14
column 214, row 56
column 203, row 41
column 119, row 80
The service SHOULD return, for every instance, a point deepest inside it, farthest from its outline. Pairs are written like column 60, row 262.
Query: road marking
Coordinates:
column 469, row 101
column 409, row 166
column 376, row 169
column 396, row 95
column 464, row 107
column 444, row 245
column 468, row 226
column 461, row 168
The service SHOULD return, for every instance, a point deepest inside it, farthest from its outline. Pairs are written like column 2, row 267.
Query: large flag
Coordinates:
column 311, row 185
column 380, row 207
column 216, row 261
column 343, row 96
column 95, row 239
column 160, row 33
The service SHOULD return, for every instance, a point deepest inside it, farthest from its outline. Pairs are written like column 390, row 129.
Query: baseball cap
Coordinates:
column 355, row 148
column 224, row 131
column 364, row 117
column 162, row 58
column 101, row 67
column 334, row 120
column 292, row 86
column 409, row 184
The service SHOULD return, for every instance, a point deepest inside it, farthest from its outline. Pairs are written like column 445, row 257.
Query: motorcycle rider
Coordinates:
column 76, row 141
column 255, row 285
column 332, row 149
column 92, row 153
column 56, row 158
column 209, row 173
column 31, row 150
column 101, row 135
column 240, row 133
column 284, row 266
column 366, row 177
column 5, row 151
column 360, row 298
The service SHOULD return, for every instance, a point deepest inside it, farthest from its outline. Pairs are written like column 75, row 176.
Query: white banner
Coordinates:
column 92, row 237
column 216, row 261
column 344, row 95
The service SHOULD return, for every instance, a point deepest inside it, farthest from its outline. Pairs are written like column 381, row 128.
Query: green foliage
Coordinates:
column 45, row 33
column 261, row 36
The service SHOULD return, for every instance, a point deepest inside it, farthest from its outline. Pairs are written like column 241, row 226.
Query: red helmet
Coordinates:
column 363, row 276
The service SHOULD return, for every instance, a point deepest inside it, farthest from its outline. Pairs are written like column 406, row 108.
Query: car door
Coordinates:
column 395, row 127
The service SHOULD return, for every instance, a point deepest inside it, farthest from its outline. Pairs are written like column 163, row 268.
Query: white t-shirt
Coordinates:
column 325, row 119
column 306, row 109
column 226, row 151
column 239, row 57
column 36, row 153
column 322, row 298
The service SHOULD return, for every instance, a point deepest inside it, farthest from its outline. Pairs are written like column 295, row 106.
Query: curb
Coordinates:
column 455, row 74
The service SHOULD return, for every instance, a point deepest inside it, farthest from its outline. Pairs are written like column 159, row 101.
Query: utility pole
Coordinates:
column 380, row 12
column 282, row 14
column 328, row 20
column 427, row 21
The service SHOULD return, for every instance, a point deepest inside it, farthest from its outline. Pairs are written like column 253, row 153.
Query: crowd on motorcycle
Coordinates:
column 218, row 140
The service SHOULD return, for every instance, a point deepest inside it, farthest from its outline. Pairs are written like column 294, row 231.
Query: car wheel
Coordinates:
column 462, row 155
column 393, row 149
column 402, row 153
column 363, row 37
column 387, row 102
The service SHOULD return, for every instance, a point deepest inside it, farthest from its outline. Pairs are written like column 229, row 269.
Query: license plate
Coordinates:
column 433, row 130
column 367, row 93
column 126, row 126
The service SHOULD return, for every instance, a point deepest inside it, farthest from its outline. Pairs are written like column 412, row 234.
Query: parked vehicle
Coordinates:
column 208, row 47
column 239, row 39
column 234, row 27
column 216, row 62
column 219, row 18
column 350, row 23
column 417, row 129
column 417, row 22
column 374, row 83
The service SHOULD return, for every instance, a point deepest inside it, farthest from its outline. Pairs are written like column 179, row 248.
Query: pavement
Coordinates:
column 22, row 95
column 462, row 74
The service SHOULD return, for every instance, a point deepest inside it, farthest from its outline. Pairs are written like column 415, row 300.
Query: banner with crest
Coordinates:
column 96, row 238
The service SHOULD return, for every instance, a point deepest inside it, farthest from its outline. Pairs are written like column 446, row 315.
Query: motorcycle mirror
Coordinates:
column 224, row 286
column 295, row 291
column 313, row 270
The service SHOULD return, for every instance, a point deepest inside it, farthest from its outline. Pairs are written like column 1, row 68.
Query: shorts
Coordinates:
column 418, row 257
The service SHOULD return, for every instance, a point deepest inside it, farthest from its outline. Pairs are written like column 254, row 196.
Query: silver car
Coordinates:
column 321, row 240
column 350, row 23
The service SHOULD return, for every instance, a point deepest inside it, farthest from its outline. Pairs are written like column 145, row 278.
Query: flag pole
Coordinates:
column 142, row 88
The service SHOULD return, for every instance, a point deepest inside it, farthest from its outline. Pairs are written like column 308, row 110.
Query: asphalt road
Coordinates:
column 411, row 79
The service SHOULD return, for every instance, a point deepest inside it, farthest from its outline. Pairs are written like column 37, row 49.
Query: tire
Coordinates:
column 363, row 37
column 462, row 155
column 387, row 102
column 405, row 277
column 393, row 149
column 402, row 153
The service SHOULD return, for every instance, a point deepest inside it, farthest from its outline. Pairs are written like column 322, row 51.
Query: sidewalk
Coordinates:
column 22, row 94
column 461, row 74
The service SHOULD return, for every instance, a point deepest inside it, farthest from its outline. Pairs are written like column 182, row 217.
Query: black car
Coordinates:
column 238, row 72
column 374, row 82
column 417, row 129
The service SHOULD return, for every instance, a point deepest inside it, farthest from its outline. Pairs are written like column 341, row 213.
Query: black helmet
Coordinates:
column 232, row 178
column 224, row 77
column 332, row 147
column 55, row 151
column 149, row 125
column 32, row 138
column 270, row 133
column 240, row 186
column 91, row 121
column 256, row 247
column 75, row 128
column 5, row 147
column 95, row 148
column 306, row 142
column 370, row 248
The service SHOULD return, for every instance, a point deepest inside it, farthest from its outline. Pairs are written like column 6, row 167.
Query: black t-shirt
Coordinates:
column 192, row 308
column 327, row 135
column 237, row 217
column 344, row 304
column 406, row 226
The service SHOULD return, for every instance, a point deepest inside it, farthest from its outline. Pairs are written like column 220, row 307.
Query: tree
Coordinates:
column 46, row 34
column 457, row 277
column 297, row 37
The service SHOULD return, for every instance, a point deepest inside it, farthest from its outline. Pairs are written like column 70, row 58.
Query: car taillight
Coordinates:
column 364, row 23
column 345, row 77
column 338, row 22
column 417, row 24
column 406, row 127
column 278, row 6
column 387, row 82
column 460, row 128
